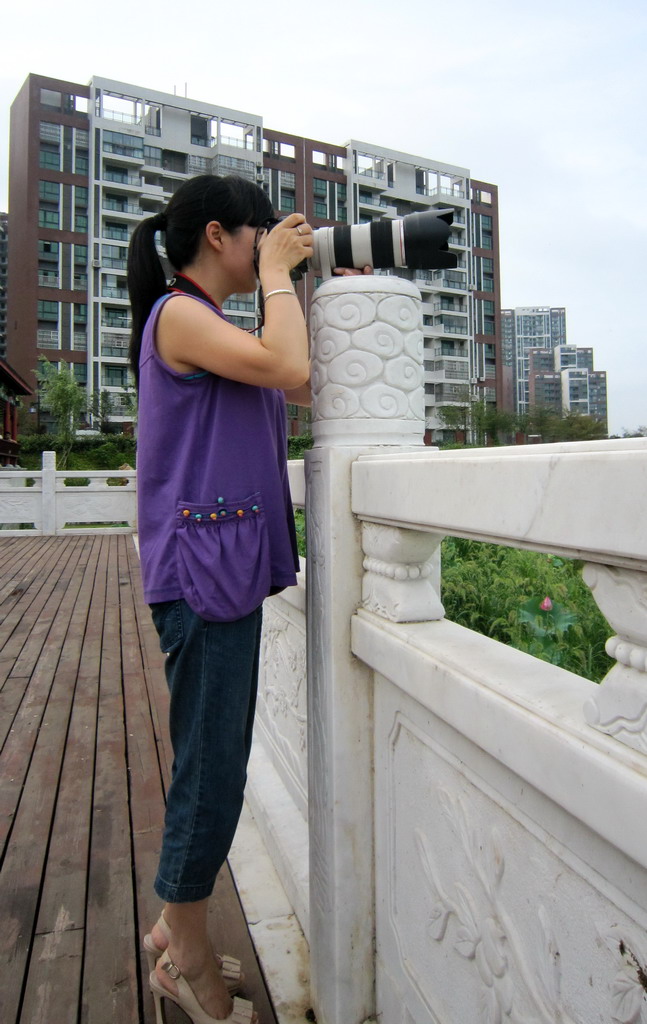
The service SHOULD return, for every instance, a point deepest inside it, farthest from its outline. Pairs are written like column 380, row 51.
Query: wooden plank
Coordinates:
column 25, row 626
column 153, row 660
column 109, row 986
column 24, row 861
column 49, row 994
column 145, row 776
column 62, row 903
column 27, row 721
column 23, row 865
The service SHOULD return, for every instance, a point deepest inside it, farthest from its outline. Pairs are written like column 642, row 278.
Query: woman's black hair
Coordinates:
column 232, row 201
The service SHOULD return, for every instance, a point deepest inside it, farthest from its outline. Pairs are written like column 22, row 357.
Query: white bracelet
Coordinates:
column 279, row 291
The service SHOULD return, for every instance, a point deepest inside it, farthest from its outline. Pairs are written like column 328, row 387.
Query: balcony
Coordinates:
column 129, row 180
column 118, row 323
column 372, row 200
column 129, row 209
column 47, row 339
column 452, row 193
column 114, row 293
column 48, row 279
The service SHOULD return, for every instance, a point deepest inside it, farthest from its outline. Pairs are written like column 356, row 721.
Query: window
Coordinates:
column 48, row 310
column 48, row 219
column 49, row 191
column 123, row 145
column 81, row 161
column 80, row 313
column 153, row 156
column 114, row 376
column 321, row 210
column 50, row 156
column 81, row 222
column 319, row 186
column 80, row 196
column 50, row 99
column 288, row 203
column 80, row 372
column 80, row 255
column 48, row 251
column 318, row 158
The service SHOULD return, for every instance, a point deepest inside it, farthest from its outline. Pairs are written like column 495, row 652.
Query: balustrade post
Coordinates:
column 367, row 383
column 48, row 494
column 619, row 708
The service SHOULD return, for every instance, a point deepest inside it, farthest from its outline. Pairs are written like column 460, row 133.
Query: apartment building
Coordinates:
column 525, row 328
column 88, row 162
column 563, row 378
column 3, row 283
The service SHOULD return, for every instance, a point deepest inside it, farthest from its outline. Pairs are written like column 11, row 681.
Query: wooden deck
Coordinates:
column 84, row 763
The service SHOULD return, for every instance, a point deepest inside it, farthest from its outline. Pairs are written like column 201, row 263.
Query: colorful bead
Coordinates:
column 213, row 516
column 240, row 512
column 224, row 512
column 254, row 508
column 220, row 501
column 198, row 515
column 186, row 512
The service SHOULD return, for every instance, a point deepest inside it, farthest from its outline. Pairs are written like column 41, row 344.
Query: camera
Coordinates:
column 417, row 242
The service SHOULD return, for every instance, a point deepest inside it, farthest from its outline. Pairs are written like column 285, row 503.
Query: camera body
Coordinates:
column 417, row 242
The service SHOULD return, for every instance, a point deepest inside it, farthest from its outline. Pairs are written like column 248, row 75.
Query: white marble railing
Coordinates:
column 48, row 501
column 461, row 827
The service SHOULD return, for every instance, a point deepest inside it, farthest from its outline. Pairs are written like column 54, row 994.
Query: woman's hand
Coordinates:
column 348, row 272
column 286, row 245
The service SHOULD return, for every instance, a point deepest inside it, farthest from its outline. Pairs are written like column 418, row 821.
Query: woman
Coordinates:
column 215, row 528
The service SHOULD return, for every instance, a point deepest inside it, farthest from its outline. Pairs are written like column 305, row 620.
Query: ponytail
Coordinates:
column 232, row 201
column 146, row 281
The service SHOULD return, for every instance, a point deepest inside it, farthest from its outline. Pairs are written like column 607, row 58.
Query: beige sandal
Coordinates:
column 229, row 966
column 242, row 1013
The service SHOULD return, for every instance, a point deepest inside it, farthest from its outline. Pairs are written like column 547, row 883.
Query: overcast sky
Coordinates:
column 548, row 101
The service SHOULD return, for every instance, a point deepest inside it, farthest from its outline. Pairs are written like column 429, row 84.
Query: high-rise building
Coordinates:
column 523, row 329
column 88, row 162
column 3, row 284
column 563, row 379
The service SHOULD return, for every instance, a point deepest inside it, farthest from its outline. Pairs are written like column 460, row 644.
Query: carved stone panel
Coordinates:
column 483, row 915
column 281, row 709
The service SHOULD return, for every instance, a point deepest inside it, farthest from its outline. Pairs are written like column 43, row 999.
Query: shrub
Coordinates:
column 499, row 591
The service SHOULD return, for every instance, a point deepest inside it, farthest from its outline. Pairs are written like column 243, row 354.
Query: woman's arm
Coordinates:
column 190, row 336
column 299, row 396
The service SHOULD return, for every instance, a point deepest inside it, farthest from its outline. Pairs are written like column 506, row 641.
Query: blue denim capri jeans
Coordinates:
column 212, row 673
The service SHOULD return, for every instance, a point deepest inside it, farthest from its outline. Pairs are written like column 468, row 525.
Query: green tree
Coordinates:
column 60, row 395
column 102, row 409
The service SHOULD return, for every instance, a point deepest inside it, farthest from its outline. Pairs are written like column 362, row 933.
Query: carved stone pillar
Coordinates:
column 367, row 364
column 367, row 382
column 619, row 708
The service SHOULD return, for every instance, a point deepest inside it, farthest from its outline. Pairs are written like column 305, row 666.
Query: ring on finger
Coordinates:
column 299, row 231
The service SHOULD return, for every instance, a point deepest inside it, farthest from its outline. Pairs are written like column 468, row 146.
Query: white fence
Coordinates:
column 479, row 814
column 49, row 502
column 462, row 828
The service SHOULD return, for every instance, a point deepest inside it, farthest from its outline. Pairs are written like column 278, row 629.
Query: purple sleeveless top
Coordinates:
column 215, row 516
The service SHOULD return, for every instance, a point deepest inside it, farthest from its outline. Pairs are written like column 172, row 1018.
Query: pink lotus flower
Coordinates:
column 546, row 604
